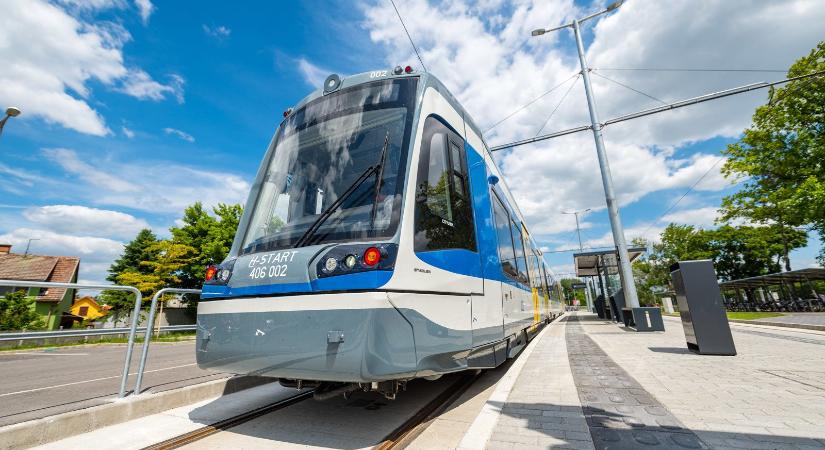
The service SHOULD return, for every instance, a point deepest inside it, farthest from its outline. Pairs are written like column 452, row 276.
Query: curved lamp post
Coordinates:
column 11, row 111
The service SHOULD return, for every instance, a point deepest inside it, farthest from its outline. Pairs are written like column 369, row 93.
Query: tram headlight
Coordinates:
column 371, row 256
column 330, row 264
column 223, row 275
column 350, row 261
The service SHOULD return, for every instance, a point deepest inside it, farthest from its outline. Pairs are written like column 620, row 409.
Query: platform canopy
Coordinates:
column 799, row 276
column 589, row 264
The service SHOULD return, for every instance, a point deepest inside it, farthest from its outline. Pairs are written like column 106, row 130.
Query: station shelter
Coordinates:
column 601, row 269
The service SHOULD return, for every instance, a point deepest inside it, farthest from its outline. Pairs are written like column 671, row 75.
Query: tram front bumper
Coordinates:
column 353, row 337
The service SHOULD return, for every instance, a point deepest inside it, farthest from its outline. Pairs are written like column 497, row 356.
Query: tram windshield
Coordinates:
column 320, row 153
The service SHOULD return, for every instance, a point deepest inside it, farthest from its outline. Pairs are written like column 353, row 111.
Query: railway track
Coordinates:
column 200, row 433
column 399, row 438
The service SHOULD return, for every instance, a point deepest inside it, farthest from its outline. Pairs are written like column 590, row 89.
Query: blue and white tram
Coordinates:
column 379, row 244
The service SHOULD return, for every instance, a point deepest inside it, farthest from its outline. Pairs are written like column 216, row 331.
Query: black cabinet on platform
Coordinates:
column 700, row 304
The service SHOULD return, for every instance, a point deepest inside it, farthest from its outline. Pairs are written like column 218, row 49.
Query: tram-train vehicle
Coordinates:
column 379, row 244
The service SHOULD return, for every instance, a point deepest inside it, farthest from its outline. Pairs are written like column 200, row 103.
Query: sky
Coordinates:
column 133, row 110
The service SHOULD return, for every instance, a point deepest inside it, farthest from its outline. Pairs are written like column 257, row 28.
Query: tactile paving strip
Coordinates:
column 620, row 413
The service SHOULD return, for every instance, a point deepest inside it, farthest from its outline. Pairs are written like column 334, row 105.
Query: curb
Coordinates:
column 49, row 429
column 801, row 326
column 480, row 430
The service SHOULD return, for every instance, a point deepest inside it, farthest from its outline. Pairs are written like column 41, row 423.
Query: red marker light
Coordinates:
column 287, row 112
column 371, row 256
column 211, row 271
column 408, row 69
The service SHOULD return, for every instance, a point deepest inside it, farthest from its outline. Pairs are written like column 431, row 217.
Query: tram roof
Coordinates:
column 801, row 275
column 586, row 262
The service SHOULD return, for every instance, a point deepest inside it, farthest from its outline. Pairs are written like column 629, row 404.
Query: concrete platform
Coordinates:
column 592, row 384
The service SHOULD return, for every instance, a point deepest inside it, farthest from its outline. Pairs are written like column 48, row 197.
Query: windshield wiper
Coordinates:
column 374, row 169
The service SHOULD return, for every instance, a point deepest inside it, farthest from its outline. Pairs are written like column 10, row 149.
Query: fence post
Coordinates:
column 150, row 321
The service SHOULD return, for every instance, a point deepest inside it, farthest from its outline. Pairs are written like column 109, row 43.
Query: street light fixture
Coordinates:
column 625, row 270
column 11, row 111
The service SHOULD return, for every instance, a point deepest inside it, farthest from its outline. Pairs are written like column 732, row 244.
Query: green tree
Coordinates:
column 17, row 312
column 743, row 252
column 570, row 293
column 141, row 248
column 165, row 270
column 780, row 158
column 210, row 236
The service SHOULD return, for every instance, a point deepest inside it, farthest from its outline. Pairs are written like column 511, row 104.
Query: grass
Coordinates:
column 744, row 315
column 175, row 336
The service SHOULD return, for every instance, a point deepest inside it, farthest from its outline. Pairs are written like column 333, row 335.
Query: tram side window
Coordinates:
column 544, row 290
column 520, row 257
column 506, row 254
column 444, row 216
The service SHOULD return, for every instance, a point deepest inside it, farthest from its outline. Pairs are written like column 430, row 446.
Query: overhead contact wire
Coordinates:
column 408, row 36
column 558, row 106
column 631, row 88
column 531, row 102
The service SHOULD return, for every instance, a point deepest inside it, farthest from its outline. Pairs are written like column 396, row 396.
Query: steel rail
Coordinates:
column 76, row 286
column 85, row 332
column 659, row 109
column 415, row 425
column 208, row 430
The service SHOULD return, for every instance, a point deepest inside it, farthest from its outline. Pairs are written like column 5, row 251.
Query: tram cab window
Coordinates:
column 444, row 216
column 520, row 257
column 506, row 253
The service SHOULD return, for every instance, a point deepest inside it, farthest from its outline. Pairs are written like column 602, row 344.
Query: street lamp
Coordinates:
column 11, row 111
column 607, row 179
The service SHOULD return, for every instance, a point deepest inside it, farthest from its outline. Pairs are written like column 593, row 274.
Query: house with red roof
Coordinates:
column 50, row 303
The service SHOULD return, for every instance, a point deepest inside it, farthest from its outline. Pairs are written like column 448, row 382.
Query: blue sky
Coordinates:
column 132, row 110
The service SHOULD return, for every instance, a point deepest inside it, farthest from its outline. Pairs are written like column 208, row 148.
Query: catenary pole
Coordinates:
column 625, row 270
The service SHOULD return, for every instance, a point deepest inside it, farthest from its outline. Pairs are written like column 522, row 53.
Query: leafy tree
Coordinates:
column 780, row 157
column 141, row 248
column 209, row 237
column 743, row 252
column 165, row 270
column 17, row 312
column 570, row 293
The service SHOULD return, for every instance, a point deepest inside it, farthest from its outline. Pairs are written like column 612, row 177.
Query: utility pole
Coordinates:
column 28, row 244
column 581, row 249
column 625, row 271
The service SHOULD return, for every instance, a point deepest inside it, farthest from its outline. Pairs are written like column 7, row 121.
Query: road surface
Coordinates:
column 39, row 383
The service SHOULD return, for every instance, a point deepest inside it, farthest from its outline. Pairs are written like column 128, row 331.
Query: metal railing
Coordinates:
column 85, row 332
column 135, row 313
column 150, row 321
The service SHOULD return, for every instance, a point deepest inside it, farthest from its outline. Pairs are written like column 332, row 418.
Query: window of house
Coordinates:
column 444, row 216
column 83, row 310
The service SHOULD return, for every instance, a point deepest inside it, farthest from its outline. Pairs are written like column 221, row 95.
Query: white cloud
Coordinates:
column 85, row 221
column 181, row 134
column 313, row 75
column 96, row 253
column 52, row 58
column 127, row 132
column 145, row 8
column 69, row 161
column 699, row 217
column 490, row 62
column 140, row 85
column 219, row 31
column 161, row 187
